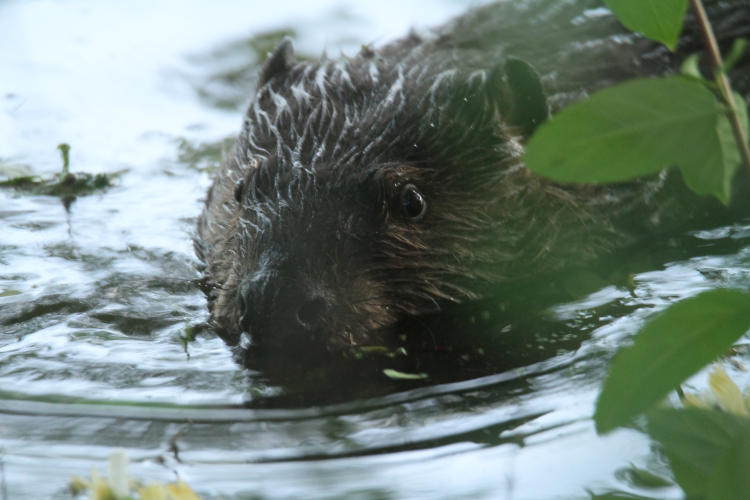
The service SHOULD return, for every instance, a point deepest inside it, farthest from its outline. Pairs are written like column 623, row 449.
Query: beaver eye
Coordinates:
column 413, row 203
column 239, row 188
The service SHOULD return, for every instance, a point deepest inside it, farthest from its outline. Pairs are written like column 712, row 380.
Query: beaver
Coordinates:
column 384, row 186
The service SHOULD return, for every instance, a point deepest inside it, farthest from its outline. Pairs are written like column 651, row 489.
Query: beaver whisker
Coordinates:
column 306, row 235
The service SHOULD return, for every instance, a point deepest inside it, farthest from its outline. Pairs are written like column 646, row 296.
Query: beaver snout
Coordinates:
column 254, row 299
column 280, row 300
column 250, row 307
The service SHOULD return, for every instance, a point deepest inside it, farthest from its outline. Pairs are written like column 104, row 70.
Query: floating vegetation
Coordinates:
column 65, row 185
column 186, row 338
column 397, row 375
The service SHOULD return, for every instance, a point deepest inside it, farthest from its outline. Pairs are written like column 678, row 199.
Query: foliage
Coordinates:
column 642, row 126
column 639, row 128
column 635, row 129
column 670, row 348
column 659, row 20
column 707, row 449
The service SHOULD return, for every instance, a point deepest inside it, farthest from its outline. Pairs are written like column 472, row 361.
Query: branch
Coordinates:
column 722, row 80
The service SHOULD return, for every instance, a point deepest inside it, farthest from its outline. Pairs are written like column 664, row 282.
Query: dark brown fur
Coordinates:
column 311, row 235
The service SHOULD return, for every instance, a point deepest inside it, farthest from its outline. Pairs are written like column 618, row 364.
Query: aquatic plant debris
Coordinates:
column 65, row 185
column 397, row 375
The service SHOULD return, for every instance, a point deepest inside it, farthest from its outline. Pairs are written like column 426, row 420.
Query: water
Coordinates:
column 94, row 301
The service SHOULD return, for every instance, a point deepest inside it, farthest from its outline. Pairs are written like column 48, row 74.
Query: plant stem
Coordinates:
column 722, row 80
column 65, row 152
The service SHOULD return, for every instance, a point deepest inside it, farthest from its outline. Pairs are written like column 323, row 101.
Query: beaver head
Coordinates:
column 365, row 191
column 359, row 192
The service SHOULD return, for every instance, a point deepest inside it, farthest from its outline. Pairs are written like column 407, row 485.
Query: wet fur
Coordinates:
column 306, row 208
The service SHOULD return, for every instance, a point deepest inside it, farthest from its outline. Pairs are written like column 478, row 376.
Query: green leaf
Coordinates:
column 659, row 20
column 730, row 479
column 672, row 346
column 634, row 129
column 713, row 174
column 741, row 109
column 703, row 180
column 696, row 441
column 689, row 67
column 739, row 47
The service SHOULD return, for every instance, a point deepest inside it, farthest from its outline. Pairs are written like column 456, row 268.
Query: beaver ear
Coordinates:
column 278, row 62
column 528, row 107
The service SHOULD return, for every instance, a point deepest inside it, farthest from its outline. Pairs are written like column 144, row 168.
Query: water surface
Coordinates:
column 94, row 300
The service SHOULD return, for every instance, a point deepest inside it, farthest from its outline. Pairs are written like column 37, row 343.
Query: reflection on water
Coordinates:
column 95, row 301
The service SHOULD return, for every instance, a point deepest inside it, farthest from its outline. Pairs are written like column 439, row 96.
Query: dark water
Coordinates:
column 94, row 301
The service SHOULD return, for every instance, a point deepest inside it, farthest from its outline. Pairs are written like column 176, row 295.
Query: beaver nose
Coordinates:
column 311, row 312
column 249, row 295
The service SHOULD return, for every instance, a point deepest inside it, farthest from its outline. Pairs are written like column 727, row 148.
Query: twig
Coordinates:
column 722, row 80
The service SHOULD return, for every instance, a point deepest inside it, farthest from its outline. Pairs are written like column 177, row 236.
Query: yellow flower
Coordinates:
column 117, row 485
column 78, row 485
column 99, row 489
column 724, row 394
column 181, row 491
column 728, row 395
column 152, row 492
